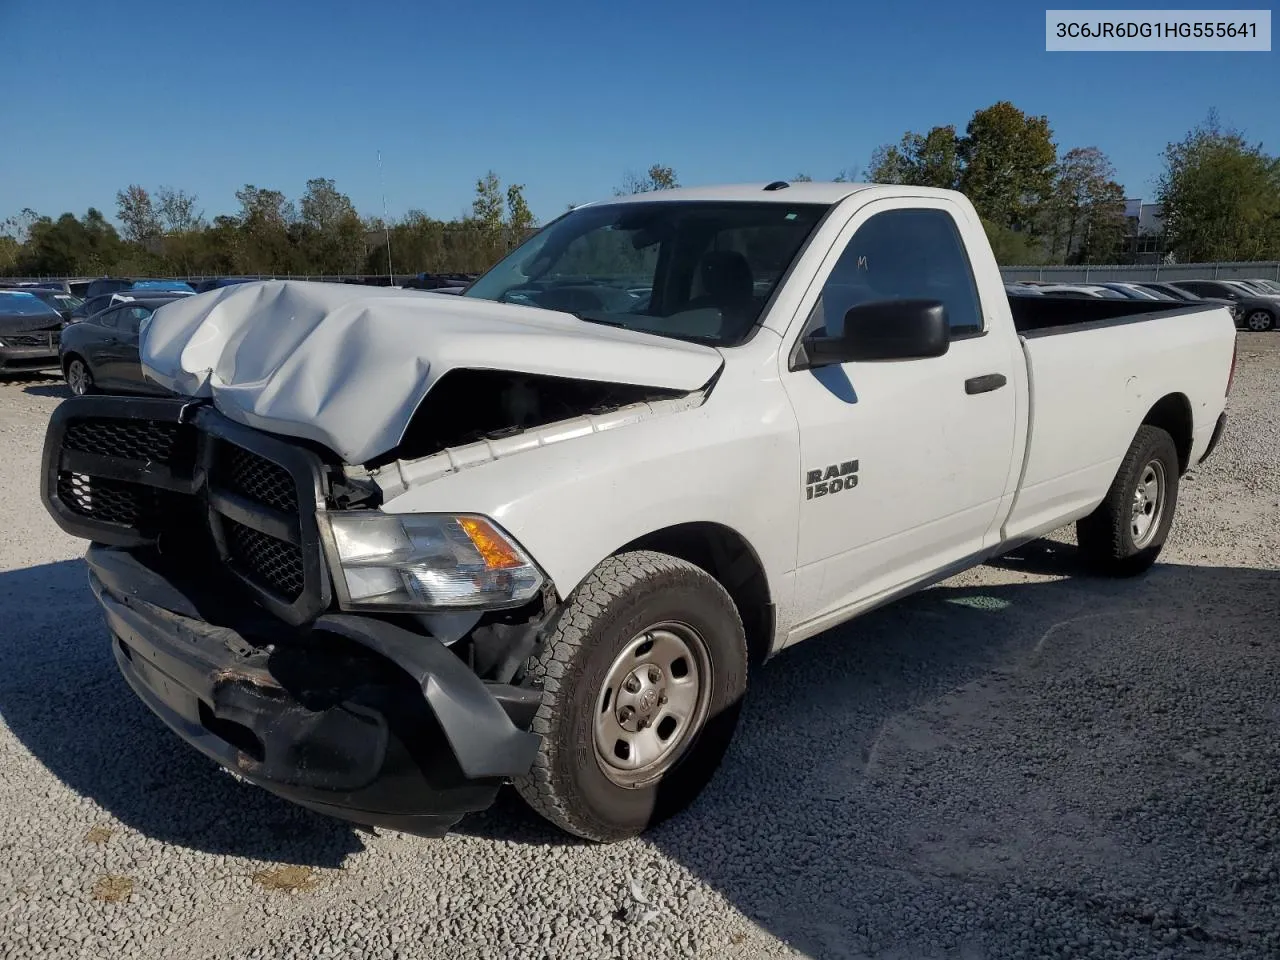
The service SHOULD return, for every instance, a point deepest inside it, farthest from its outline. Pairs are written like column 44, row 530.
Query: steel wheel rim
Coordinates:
column 77, row 378
column 1148, row 503
column 1259, row 320
column 652, row 703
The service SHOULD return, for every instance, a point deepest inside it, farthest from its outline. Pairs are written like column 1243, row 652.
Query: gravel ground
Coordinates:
column 1020, row 762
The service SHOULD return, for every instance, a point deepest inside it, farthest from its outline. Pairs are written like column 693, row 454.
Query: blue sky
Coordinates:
column 565, row 97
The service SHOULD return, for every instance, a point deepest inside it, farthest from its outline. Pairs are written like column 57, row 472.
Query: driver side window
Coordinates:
column 897, row 255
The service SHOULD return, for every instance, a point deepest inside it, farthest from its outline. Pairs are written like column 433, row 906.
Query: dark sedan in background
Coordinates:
column 1257, row 312
column 65, row 303
column 100, row 354
column 29, row 332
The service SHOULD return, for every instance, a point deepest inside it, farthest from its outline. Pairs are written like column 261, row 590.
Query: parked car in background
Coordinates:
column 1133, row 291
column 1270, row 288
column 1023, row 290
column 1257, row 313
column 29, row 332
column 98, row 304
column 76, row 288
column 438, row 281
column 100, row 353
column 180, row 285
column 64, row 303
column 105, row 285
column 216, row 283
column 1187, row 296
column 1080, row 290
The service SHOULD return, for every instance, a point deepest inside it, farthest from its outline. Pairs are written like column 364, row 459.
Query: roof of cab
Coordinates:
column 803, row 191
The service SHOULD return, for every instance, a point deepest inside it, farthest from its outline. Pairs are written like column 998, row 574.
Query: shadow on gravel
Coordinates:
column 52, row 388
column 37, row 383
column 63, row 698
column 939, row 773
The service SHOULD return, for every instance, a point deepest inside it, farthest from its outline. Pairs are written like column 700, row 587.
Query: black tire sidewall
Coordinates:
column 1271, row 320
column 682, row 598
column 1157, row 445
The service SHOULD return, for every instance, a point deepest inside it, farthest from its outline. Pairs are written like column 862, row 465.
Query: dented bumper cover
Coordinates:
column 356, row 717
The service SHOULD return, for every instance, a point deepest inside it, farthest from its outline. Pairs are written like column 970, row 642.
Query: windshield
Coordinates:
column 24, row 305
column 692, row 270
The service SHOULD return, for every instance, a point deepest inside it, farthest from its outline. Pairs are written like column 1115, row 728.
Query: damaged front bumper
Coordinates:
column 353, row 717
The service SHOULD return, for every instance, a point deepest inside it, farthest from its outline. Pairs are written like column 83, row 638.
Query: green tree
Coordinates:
column 67, row 246
column 176, row 211
column 1221, row 196
column 520, row 219
column 137, row 214
column 266, row 245
column 1082, row 220
column 1008, row 162
column 331, row 235
column 657, row 177
column 921, row 160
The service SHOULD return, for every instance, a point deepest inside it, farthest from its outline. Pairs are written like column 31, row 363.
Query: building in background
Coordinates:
column 1144, row 237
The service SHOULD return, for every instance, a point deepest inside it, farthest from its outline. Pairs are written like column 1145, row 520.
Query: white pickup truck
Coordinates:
column 384, row 551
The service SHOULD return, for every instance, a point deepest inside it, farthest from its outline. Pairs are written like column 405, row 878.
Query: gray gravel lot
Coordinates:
column 1020, row 762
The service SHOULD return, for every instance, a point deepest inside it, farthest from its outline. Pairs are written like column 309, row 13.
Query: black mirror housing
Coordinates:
column 884, row 330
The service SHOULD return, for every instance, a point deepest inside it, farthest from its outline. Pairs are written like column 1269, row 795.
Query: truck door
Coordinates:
column 904, row 463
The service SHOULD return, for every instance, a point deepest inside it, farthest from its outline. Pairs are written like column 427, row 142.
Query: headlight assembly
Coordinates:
column 415, row 562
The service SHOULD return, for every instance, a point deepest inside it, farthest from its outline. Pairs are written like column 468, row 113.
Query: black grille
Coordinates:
column 147, row 440
column 270, row 563
column 31, row 339
column 112, row 501
column 261, row 480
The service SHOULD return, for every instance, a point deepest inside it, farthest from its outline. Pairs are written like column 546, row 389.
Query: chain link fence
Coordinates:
column 1094, row 273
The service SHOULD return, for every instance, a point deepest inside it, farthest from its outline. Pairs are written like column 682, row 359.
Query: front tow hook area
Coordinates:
column 356, row 718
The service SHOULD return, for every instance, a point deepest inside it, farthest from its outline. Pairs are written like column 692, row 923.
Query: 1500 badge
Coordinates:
column 837, row 477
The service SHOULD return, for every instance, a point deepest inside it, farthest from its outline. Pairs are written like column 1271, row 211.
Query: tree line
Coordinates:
column 1220, row 193
column 1040, row 205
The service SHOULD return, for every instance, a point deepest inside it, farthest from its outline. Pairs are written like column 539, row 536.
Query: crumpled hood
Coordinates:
column 347, row 365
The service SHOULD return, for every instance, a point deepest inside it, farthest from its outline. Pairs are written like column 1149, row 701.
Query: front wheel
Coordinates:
column 79, row 378
column 643, row 678
column 1124, row 535
column 1259, row 321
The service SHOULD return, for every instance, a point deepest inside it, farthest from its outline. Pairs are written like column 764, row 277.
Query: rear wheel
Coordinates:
column 1124, row 535
column 1259, row 321
column 643, row 678
column 79, row 377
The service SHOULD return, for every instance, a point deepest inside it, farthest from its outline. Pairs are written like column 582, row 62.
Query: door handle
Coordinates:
column 985, row 383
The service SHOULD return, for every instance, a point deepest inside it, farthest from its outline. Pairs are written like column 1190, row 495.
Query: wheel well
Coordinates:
column 68, row 357
column 1172, row 414
column 724, row 554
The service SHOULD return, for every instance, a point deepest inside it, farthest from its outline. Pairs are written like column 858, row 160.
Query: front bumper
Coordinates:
column 15, row 358
column 353, row 717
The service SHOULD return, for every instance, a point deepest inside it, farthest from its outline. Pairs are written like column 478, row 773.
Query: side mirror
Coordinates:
column 884, row 330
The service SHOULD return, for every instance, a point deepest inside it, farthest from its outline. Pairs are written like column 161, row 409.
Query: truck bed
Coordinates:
column 1048, row 315
column 1090, row 391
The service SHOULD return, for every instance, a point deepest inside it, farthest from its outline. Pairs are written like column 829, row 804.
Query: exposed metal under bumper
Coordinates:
column 355, row 717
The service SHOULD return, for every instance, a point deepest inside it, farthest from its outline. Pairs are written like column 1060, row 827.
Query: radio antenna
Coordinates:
column 386, row 223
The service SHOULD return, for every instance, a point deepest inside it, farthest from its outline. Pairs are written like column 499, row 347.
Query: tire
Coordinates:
column 626, row 599
column 79, row 377
column 1259, row 321
column 1113, row 539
